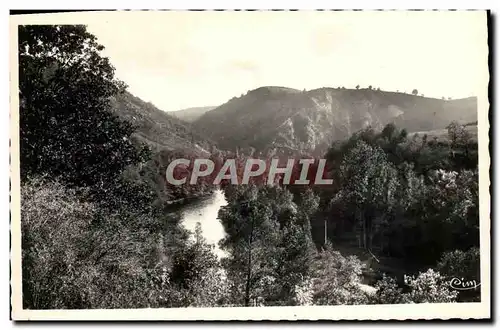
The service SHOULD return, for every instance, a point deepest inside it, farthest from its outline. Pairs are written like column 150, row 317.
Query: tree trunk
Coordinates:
column 364, row 232
column 370, row 246
column 249, row 273
column 249, row 265
column 326, row 232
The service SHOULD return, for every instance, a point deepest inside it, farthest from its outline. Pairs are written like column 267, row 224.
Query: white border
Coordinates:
column 373, row 312
column 256, row 4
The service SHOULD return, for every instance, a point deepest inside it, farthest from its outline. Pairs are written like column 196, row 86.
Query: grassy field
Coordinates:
column 442, row 134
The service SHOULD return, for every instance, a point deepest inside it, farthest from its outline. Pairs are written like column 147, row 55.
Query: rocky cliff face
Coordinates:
column 271, row 118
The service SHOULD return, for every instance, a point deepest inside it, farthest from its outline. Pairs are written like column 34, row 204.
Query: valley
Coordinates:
column 104, row 227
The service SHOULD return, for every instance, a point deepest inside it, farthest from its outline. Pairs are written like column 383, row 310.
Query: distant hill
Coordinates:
column 190, row 114
column 157, row 128
column 290, row 120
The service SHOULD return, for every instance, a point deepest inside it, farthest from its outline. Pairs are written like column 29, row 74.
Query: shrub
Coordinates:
column 430, row 287
column 464, row 266
column 427, row 287
column 461, row 264
column 75, row 255
column 388, row 292
column 336, row 279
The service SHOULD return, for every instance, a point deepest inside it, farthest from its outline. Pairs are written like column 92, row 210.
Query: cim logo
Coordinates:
column 462, row 285
column 456, row 283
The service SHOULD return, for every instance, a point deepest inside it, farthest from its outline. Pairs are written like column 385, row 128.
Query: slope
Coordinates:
column 156, row 128
column 293, row 121
column 190, row 114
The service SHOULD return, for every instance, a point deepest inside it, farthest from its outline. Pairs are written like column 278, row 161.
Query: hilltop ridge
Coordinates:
column 274, row 117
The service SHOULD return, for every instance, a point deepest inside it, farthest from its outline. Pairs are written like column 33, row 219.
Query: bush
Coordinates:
column 427, row 287
column 75, row 255
column 336, row 279
column 388, row 292
column 461, row 264
column 465, row 266
column 430, row 287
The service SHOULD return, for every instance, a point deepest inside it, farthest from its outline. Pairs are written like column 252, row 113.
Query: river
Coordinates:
column 205, row 212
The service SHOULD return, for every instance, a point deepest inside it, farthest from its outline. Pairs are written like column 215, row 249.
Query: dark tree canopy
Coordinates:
column 66, row 129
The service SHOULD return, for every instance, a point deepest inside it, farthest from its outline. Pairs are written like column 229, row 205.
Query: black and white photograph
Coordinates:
column 250, row 165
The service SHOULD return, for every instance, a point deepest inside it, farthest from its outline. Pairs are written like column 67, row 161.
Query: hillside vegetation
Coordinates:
column 308, row 121
column 191, row 114
column 156, row 127
column 96, row 231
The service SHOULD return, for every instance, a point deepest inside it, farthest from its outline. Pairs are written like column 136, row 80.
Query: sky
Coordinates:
column 178, row 60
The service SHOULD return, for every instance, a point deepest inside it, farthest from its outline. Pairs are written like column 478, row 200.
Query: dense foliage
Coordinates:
column 407, row 200
column 95, row 233
column 270, row 244
column 66, row 128
column 99, row 230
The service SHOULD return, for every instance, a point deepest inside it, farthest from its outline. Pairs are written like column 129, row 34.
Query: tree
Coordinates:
column 295, row 249
column 389, row 131
column 368, row 186
column 415, row 92
column 269, row 243
column 370, row 87
column 458, row 134
column 463, row 150
column 196, row 276
column 445, row 216
column 455, row 194
column 336, row 279
column 357, row 86
column 248, row 225
column 428, row 215
column 66, row 128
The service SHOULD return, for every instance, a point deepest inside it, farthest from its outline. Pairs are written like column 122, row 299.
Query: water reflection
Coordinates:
column 205, row 212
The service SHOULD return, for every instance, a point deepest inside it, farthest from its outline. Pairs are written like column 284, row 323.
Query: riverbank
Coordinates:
column 190, row 199
column 205, row 210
